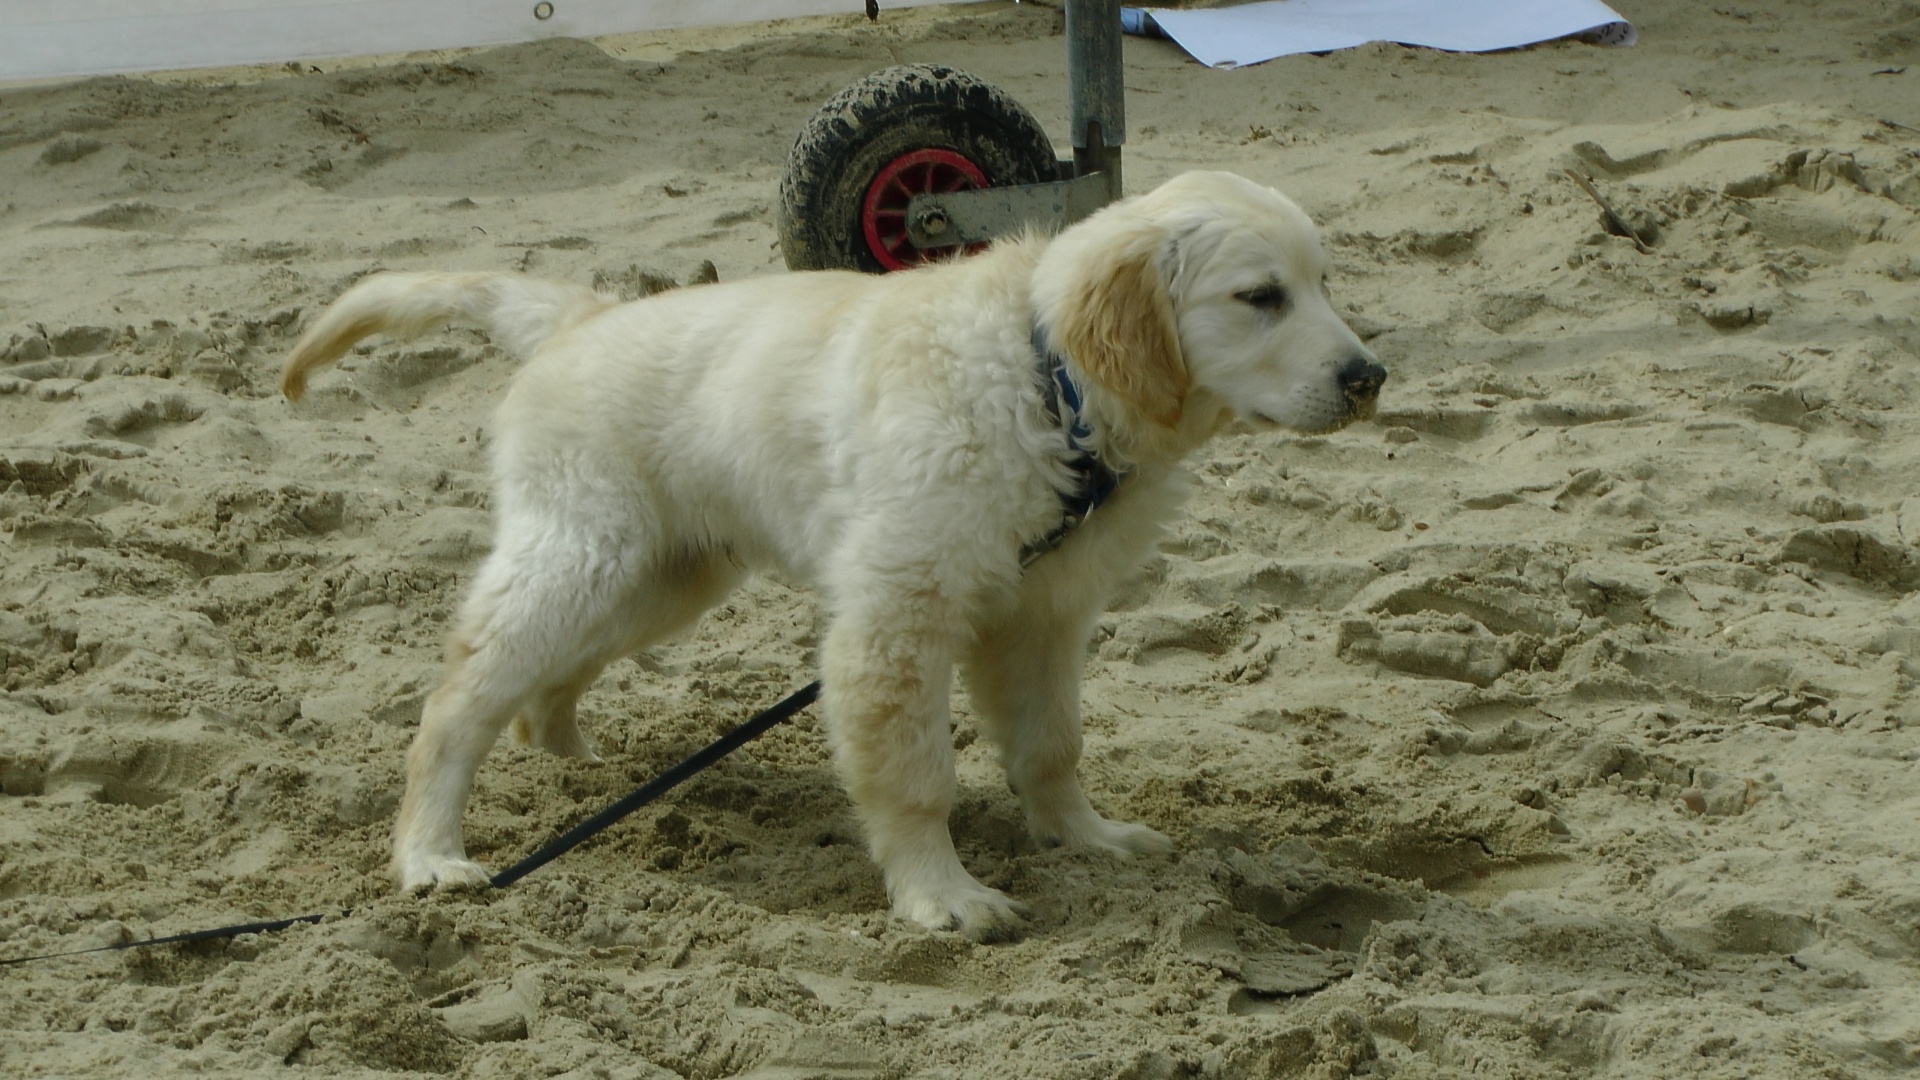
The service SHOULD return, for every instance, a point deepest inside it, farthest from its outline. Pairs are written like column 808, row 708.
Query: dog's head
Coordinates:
column 1209, row 285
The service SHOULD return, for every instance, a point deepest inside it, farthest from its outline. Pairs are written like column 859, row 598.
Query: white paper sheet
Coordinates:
column 1252, row 33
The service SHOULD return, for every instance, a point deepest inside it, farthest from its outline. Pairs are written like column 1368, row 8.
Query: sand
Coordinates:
column 1558, row 723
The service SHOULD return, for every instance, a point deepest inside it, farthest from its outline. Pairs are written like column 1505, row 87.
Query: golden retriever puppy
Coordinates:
column 920, row 447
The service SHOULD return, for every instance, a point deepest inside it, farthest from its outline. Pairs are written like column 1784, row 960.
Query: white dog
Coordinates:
column 918, row 446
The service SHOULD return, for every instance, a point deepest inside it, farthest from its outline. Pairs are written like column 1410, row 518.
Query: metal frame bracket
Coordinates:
column 974, row 217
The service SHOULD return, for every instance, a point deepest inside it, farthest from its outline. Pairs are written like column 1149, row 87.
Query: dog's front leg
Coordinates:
column 1024, row 678
column 888, row 665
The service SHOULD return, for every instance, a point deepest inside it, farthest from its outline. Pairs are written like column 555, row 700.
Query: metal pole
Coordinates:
column 1097, row 99
column 1095, row 89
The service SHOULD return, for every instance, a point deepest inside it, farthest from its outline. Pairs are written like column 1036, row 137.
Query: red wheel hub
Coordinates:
column 883, row 216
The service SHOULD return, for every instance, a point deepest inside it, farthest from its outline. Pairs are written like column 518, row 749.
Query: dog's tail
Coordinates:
column 520, row 312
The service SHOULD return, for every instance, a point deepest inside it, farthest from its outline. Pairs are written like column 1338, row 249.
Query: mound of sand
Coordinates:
column 1560, row 723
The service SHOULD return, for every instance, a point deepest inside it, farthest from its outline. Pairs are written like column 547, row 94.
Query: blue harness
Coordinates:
column 1093, row 480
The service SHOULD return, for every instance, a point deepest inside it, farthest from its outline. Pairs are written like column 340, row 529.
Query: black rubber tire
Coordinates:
column 877, row 120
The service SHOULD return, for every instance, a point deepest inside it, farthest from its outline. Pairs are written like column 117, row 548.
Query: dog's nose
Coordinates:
column 1360, row 379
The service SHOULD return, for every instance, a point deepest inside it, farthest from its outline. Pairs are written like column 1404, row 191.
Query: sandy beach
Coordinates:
column 1560, row 722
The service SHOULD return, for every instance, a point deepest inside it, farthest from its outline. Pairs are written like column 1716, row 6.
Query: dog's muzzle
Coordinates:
column 1360, row 380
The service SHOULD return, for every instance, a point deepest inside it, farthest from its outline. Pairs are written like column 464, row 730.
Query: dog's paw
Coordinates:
column 1119, row 837
column 986, row 915
column 1131, row 838
column 419, row 872
column 555, row 737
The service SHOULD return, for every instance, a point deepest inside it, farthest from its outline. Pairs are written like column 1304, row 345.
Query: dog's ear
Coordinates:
column 1117, row 324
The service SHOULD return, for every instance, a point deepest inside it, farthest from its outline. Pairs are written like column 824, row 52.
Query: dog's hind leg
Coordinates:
column 459, row 724
column 547, row 721
column 1024, row 679
column 664, row 603
column 536, row 612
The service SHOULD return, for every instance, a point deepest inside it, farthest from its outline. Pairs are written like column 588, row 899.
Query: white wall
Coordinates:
column 54, row 38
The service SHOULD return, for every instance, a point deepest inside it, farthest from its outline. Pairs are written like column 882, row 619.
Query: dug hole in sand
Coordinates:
column 1558, row 723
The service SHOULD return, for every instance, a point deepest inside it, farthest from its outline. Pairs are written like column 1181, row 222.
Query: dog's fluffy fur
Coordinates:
column 887, row 440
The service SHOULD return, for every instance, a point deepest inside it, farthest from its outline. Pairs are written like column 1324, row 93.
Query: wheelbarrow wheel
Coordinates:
column 897, row 133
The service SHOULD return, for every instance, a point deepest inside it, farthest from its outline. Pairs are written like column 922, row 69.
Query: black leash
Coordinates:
column 660, row 785
column 560, row 845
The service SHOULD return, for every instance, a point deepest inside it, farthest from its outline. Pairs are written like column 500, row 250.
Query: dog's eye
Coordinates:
column 1264, row 297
